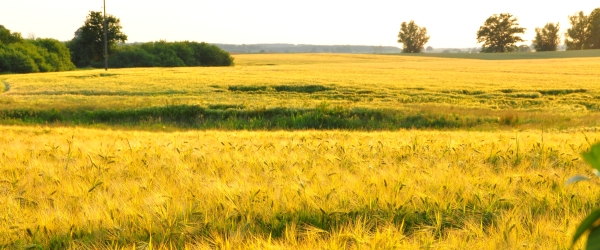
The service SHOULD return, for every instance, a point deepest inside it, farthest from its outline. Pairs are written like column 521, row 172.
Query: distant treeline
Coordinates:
column 20, row 55
column 166, row 54
column 306, row 48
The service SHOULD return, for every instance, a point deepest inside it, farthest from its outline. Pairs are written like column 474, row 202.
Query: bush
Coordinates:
column 129, row 57
column 30, row 56
column 167, row 54
column 55, row 53
column 15, row 61
column 7, row 37
column 32, row 52
column 164, row 54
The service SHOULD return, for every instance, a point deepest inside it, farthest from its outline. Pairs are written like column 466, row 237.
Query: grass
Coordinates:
column 301, row 151
column 233, row 117
column 324, row 116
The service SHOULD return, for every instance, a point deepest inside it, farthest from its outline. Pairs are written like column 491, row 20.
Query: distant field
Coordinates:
column 269, row 89
column 515, row 56
column 300, row 151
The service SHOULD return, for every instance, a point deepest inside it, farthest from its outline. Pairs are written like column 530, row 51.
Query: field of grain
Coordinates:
column 557, row 93
column 315, row 151
column 306, row 189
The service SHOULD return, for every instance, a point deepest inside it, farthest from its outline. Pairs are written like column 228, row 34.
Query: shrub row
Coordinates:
column 39, row 55
column 167, row 54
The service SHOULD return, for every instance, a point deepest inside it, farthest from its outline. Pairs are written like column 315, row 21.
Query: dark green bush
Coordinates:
column 55, row 53
column 167, row 54
column 29, row 56
column 35, row 53
column 129, row 57
column 15, row 61
column 7, row 37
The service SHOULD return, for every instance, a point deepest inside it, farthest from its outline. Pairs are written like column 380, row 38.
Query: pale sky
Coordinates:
column 451, row 24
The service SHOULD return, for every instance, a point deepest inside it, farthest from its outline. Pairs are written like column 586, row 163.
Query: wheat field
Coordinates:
column 151, row 186
column 372, row 81
column 307, row 189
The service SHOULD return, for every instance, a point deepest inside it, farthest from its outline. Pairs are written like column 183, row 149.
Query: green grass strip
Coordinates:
column 198, row 117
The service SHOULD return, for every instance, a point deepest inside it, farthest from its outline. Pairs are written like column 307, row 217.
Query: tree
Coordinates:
column 412, row 37
column 576, row 35
column 593, row 39
column 429, row 49
column 547, row 38
column 498, row 34
column 88, row 43
column 6, row 37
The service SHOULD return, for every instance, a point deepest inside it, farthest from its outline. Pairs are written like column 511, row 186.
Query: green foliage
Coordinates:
column 547, row 38
column 164, row 55
column 6, row 37
column 576, row 36
column 562, row 91
column 41, row 55
column 55, row 53
column 88, row 44
column 591, row 222
column 35, row 53
column 248, row 88
column 210, row 55
column 301, row 89
column 167, row 54
column 593, row 39
column 412, row 37
column 128, row 57
column 584, row 32
column 12, row 60
column 498, row 34
column 593, row 156
column 235, row 117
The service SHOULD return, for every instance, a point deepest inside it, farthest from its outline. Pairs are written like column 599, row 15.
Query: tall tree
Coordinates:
column 593, row 39
column 576, row 36
column 498, row 33
column 547, row 38
column 412, row 37
column 88, row 43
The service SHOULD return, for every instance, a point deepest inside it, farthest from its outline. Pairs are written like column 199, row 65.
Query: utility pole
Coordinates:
column 105, row 40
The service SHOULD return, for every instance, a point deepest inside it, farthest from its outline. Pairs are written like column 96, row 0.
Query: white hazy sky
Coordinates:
column 327, row 22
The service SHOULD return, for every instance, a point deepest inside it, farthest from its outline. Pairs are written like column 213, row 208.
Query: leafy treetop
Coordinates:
column 412, row 37
column 6, row 37
column 547, row 38
column 88, row 43
column 498, row 34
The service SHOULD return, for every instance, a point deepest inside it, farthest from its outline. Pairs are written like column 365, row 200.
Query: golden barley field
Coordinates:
column 559, row 93
column 119, row 183
column 302, row 80
column 305, row 189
